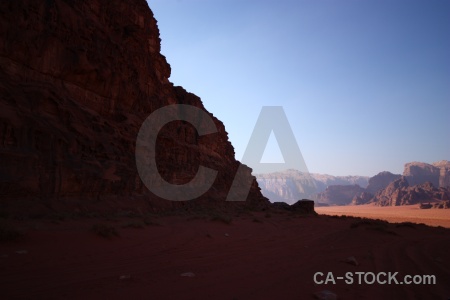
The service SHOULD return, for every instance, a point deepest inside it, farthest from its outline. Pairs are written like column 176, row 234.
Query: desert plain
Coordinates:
column 247, row 255
column 395, row 214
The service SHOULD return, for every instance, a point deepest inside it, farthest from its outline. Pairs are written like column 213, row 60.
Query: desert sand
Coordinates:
column 396, row 214
column 256, row 256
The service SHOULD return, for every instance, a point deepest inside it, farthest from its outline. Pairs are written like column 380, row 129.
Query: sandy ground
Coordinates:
column 256, row 256
column 407, row 213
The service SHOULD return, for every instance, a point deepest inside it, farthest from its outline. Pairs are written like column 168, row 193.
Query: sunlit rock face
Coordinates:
column 400, row 192
column 77, row 80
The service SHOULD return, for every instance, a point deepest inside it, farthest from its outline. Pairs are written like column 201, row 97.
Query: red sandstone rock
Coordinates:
column 77, row 79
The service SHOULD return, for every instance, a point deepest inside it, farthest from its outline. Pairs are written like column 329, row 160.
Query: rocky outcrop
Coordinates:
column 77, row 80
column 400, row 192
column 437, row 173
column 339, row 194
column 440, row 205
column 381, row 181
column 304, row 206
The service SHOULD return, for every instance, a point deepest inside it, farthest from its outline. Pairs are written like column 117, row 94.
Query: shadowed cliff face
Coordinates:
column 77, row 79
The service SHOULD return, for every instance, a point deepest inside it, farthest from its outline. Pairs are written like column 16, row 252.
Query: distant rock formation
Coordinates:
column 290, row 185
column 363, row 198
column 442, row 204
column 437, row 173
column 381, row 181
column 340, row 190
column 304, row 206
column 399, row 192
column 77, row 80
column 339, row 194
column 323, row 180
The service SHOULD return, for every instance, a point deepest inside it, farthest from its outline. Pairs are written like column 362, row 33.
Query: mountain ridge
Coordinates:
column 283, row 186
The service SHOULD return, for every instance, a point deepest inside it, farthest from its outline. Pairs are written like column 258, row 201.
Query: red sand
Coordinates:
column 272, row 259
column 396, row 214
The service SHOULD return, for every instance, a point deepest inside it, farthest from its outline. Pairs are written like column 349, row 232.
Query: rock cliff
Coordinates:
column 400, row 192
column 437, row 173
column 77, row 80
column 444, row 172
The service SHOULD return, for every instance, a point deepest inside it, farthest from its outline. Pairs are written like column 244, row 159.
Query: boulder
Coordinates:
column 304, row 206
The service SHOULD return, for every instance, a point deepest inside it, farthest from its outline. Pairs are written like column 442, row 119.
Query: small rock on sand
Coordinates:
column 187, row 274
column 325, row 295
column 351, row 260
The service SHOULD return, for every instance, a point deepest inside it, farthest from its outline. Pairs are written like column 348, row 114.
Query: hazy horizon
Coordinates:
column 365, row 84
column 349, row 175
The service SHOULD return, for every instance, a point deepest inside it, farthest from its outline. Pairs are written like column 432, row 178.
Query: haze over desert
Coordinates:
column 123, row 123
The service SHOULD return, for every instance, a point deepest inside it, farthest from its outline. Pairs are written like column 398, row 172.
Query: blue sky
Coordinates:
column 365, row 84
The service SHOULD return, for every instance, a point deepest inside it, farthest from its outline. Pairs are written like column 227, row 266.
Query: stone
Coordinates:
column 351, row 260
column 281, row 206
column 325, row 295
column 304, row 206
